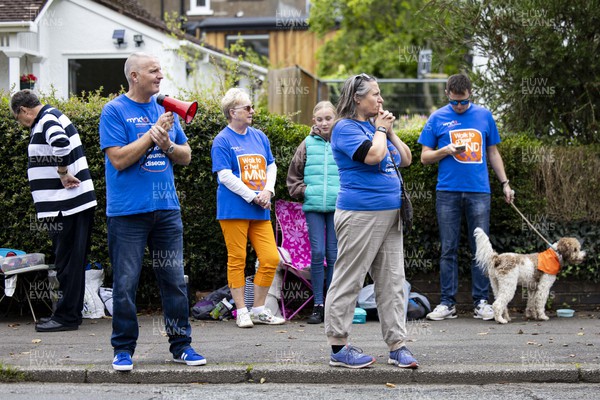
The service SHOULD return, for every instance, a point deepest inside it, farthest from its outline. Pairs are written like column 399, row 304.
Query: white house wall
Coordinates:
column 79, row 29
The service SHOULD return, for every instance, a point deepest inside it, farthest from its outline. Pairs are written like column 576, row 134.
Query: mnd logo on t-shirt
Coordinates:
column 473, row 140
column 156, row 161
column 253, row 171
column 139, row 121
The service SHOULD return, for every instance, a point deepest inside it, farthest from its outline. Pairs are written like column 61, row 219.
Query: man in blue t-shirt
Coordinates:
column 141, row 143
column 462, row 137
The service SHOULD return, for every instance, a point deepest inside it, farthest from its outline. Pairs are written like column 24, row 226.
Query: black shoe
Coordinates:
column 317, row 316
column 43, row 320
column 53, row 326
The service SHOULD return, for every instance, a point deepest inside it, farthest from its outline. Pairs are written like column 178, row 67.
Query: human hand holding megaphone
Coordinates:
column 186, row 110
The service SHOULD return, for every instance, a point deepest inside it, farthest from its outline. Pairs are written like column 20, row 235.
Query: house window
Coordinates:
column 258, row 43
column 200, row 7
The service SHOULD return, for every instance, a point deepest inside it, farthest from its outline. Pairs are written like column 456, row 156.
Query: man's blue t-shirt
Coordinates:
column 475, row 128
column 247, row 156
column 364, row 187
column 148, row 184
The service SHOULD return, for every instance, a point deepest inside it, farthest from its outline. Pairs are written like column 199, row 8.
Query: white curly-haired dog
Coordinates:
column 508, row 270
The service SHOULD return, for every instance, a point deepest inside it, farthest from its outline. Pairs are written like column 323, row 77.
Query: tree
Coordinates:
column 541, row 68
column 379, row 37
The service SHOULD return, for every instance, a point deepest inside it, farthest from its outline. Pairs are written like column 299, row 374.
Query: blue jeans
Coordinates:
column 323, row 245
column 450, row 207
column 128, row 235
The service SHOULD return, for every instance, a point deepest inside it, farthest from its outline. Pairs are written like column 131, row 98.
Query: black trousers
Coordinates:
column 71, row 237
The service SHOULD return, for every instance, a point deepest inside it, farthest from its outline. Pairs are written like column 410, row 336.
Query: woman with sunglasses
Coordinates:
column 367, row 222
column 246, row 170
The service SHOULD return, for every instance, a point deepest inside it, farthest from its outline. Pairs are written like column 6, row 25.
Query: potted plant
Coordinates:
column 28, row 81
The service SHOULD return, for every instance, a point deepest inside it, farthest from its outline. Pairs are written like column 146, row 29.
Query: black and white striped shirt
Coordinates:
column 55, row 142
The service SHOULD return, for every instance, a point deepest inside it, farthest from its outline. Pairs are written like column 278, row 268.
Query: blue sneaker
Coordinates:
column 190, row 357
column 122, row 362
column 350, row 357
column 403, row 358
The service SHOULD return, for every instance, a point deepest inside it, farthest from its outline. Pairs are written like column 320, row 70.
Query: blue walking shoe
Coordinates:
column 403, row 358
column 350, row 357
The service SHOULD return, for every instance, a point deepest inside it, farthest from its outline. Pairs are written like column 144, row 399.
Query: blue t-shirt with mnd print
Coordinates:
column 476, row 129
column 247, row 156
column 364, row 187
column 148, row 184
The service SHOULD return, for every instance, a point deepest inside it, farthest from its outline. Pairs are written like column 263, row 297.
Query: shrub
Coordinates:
column 205, row 253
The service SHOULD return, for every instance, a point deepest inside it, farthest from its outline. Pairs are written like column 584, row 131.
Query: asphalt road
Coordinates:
column 546, row 391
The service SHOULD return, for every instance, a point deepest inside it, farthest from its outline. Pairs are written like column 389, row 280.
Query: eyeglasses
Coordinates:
column 359, row 78
column 247, row 108
column 463, row 102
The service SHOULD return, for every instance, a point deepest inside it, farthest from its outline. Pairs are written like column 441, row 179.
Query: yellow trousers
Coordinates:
column 236, row 233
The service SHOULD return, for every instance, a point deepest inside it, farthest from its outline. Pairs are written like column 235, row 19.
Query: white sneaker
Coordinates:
column 442, row 312
column 243, row 320
column 483, row 311
column 267, row 317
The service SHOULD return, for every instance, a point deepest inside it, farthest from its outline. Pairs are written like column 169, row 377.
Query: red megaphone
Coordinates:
column 186, row 110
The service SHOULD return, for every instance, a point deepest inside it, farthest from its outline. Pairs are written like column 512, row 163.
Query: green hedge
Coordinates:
column 205, row 253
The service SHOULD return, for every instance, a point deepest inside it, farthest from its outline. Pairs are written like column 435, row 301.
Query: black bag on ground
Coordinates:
column 202, row 309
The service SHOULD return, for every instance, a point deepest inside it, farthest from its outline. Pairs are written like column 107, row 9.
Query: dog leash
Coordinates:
column 512, row 203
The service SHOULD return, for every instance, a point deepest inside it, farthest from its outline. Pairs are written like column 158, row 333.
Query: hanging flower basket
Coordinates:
column 28, row 81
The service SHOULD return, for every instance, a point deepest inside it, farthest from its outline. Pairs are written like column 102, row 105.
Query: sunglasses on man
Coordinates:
column 457, row 102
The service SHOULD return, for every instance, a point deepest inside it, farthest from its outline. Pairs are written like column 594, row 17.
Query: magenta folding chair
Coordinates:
column 294, row 251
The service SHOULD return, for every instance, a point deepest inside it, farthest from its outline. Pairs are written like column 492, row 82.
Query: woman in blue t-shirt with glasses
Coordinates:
column 246, row 171
column 367, row 223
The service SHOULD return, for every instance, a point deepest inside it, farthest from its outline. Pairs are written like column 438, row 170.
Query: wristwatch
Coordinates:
column 382, row 129
column 170, row 150
column 61, row 173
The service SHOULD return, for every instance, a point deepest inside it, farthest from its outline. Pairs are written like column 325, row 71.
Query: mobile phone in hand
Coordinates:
column 461, row 147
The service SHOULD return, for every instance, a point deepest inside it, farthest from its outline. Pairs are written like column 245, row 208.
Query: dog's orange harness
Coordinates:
column 548, row 262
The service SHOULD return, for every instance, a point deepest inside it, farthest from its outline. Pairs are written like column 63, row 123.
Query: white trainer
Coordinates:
column 243, row 320
column 266, row 317
column 483, row 311
column 442, row 312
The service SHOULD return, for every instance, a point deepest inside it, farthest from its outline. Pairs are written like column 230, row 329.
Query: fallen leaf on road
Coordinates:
column 280, row 331
column 390, row 385
column 520, row 332
column 580, row 333
column 530, row 342
column 262, row 380
column 36, row 341
column 92, row 334
column 13, row 325
column 483, row 333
